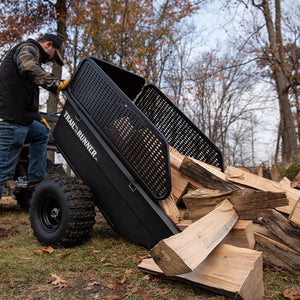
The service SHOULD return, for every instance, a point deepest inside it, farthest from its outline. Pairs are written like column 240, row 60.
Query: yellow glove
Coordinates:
column 43, row 121
column 63, row 85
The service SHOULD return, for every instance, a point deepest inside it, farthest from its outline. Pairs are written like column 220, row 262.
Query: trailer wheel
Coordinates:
column 62, row 212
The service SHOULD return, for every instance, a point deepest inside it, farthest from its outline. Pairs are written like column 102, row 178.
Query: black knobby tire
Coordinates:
column 62, row 212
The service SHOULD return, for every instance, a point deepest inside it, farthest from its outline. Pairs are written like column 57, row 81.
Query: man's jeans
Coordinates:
column 12, row 138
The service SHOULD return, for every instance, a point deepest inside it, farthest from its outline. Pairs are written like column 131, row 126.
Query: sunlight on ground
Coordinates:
column 8, row 202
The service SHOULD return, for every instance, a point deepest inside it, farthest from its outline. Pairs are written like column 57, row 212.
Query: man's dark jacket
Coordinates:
column 19, row 96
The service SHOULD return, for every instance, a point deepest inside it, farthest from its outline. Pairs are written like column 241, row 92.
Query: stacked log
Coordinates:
column 231, row 223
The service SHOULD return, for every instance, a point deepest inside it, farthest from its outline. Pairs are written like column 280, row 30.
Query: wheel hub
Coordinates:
column 55, row 212
column 50, row 214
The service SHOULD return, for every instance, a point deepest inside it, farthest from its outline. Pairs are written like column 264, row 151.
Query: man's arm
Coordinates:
column 27, row 58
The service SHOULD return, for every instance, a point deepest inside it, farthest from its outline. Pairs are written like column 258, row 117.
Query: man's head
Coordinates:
column 54, row 46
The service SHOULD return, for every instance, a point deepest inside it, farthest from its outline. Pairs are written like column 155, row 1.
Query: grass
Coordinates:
column 103, row 268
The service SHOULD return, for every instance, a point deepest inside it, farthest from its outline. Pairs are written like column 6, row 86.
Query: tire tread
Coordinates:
column 81, row 211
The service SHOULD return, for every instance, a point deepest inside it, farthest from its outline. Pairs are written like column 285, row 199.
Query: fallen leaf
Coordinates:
column 7, row 246
column 115, row 286
column 65, row 255
column 94, row 252
column 293, row 295
column 111, row 297
column 40, row 290
column 81, row 269
column 134, row 290
column 3, row 276
column 92, row 283
column 146, row 295
column 136, row 259
column 122, row 281
column 26, row 258
column 58, row 281
column 121, row 278
column 146, row 277
column 111, row 285
column 97, row 296
column 48, row 249
column 286, row 279
column 38, row 252
column 160, row 293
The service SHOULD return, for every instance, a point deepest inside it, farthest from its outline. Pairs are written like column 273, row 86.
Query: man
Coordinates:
column 21, row 75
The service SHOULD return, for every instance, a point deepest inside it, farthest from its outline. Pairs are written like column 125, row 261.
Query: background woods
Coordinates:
column 242, row 89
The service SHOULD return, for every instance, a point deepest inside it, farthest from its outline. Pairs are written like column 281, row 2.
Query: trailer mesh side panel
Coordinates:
column 180, row 132
column 132, row 136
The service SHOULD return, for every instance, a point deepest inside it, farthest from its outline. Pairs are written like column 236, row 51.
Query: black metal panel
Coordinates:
column 180, row 132
column 130, row 83
column 136, row 141
column 122, row 201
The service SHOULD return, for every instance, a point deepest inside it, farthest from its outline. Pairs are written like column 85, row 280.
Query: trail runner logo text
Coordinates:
column 80, row 135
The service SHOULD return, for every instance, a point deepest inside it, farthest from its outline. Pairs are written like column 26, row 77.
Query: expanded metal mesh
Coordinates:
column 180, row 132
column 133, row 137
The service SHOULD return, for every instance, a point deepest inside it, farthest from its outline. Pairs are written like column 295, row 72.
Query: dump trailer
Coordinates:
column 114, row 132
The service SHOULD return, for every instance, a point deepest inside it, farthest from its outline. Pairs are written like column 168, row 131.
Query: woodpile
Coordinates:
column 231, row 222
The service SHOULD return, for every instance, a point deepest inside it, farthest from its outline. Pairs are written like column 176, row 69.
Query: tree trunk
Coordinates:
column 61, row 19
column 289, row 138
column 279, row 70
column 297, row 94
column 54, row 98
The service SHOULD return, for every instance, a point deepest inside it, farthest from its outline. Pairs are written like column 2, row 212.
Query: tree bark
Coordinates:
column 61, row 20
column 289, row 138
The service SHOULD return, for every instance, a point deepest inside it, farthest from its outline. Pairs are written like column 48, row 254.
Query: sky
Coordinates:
column 211, row 23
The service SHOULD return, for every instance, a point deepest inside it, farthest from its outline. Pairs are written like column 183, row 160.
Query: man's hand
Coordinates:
column 63, row 85
column 43, row 121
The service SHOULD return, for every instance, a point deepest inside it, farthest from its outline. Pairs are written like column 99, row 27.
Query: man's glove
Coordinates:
column 43, row 121
column 63, row 85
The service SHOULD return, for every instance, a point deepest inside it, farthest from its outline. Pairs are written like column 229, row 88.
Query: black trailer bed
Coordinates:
column 116, row 150
column 115, row 135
